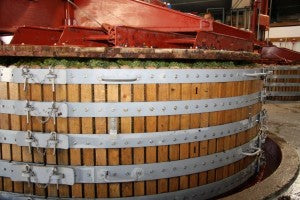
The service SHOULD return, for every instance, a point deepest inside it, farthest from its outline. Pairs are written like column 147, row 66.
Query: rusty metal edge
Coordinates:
column 118, row 52
column 279, row 181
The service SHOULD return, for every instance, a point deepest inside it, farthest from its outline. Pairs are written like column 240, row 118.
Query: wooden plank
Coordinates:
column 139, row 127
column 5, row 124
column 221, row 141
column 185, row 124
column 174, row 124
column 204, row 118
column 195, row 123
column 26, row 155
column 126, row 127
column 101, row 128
column 163, row 122
column 215, row 92
column 15, row 124
column 36, row 125
column 75, row 128
column 151, row 126
column 87, row 127
column 62, row 127
column 113, row 154
column 51, row 159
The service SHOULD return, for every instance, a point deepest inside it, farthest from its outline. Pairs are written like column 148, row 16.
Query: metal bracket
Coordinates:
column 67, row 141
column 123, row 173
column 28, row 108
column 42, row 174
column 207, row 191
column 127, row 109
column 43, row 140
column 127, row 76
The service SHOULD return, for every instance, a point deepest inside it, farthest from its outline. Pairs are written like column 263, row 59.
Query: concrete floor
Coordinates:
column 284, row 120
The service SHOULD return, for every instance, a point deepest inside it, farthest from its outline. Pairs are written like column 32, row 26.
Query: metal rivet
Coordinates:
column 206, row 105
column 212, row 161
column 224, row 75
column 175, row 107
column 231, row 75
column 197, row 106
column 151, row 171
column 185, row 138
column 74, row 143
column 195, row 137
column 139, row 142
column 88, row 143
column 186, row 107
column 216, row 75
column 215, row 105
column 151, row 109
column 197, row 76
column 139, row 109
column 126, row 142
column 152, row 76
column 151, row 141
column 164, row 108
column 85, row 76
column 126, row 110
column 176, row 76
column 127, row 173
column 214, row 134
column 86, row 109
column 174, row 169
column 163, row 141
column 204, row 163
column 207, row 76
column 185, row 167
column 113, row 109
column 205, row 136
column 114, row 143
column 174, row 139
column 187, row 76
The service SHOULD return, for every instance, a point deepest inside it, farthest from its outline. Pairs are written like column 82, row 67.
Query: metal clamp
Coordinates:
column 53, row 141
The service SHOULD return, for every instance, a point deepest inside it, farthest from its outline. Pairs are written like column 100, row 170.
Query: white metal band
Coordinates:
column 287, row 67
column 282, row 84
column 284, row 77
column 202, row 192
column 69, row 175
column 125, row 109
column 283, row 94
column 74, row 141
column 125, row 76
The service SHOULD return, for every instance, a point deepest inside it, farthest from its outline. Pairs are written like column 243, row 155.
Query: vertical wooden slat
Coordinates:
column 75, row 128
column 163, row 122
column 26, row 155
column 139, row 127
column 204, row 118
column 195, row 123
column 15, row 124
column 113, row 154
column 38, row 157
column 185, row 124
column 215, row 89
column 62, row 128
column 87, row 124
column 174, row 124
column 221, row 141
column 5, row 124
column 126, row 153
column 101, row 128
column 48, row 96
column 151, row 126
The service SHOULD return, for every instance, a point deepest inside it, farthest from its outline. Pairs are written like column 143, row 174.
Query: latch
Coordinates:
column 51, row 76
column 26, row 75
column 53, row 141
column 27, row 173
column 263, row 74
column 51, row 114
column 28, row 108
column 29, row 140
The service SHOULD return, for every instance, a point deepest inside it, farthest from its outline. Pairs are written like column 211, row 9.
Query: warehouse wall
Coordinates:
column 288, row 37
